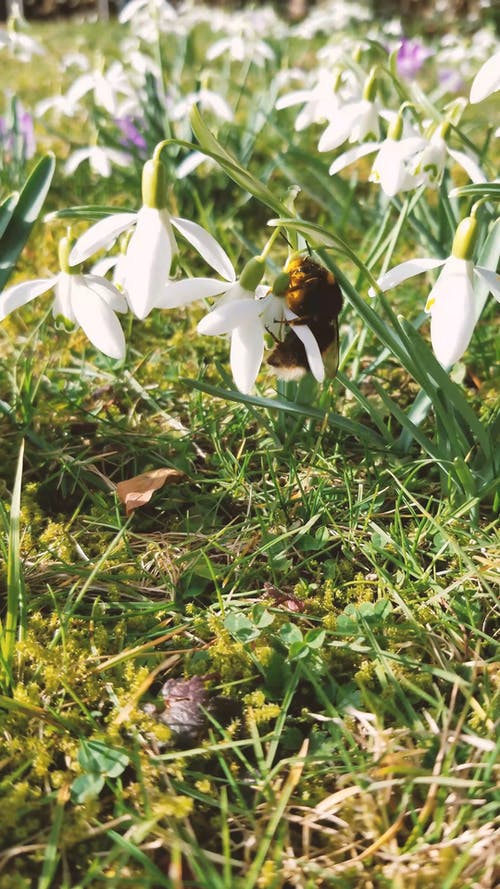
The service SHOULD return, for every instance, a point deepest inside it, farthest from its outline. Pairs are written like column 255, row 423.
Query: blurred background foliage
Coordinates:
column 431, row 16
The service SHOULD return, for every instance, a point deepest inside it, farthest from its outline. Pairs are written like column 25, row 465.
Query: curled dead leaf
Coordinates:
column 137, row 491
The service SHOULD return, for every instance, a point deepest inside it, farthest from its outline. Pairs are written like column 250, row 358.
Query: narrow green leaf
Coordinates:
column 15, row 585
column 350, row 427
column 7, row 208
column 210, row 146
column 88, row 211
column 52, row 856
column 24, row 215
column 478, row 190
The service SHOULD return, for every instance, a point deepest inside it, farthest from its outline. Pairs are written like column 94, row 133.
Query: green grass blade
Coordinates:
column 15, row 617
column 24, row 216
column 350, row 427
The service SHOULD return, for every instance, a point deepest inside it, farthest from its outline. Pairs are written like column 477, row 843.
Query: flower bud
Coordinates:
column 154, row 185
column 464, row 242
column 252, row 273
column 371, row 86
column 395, row 128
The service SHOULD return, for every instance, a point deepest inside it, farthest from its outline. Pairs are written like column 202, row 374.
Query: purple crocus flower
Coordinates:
column 131, row 135
column 411, row 57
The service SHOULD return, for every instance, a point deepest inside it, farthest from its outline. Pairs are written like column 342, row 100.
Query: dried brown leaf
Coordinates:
column 137, row 491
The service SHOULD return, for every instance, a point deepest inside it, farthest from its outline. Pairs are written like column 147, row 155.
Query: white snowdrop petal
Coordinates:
column 491, row 279
column 452, row 309
column 20, row 294
column 313, row 353
column 226, row 317
column 206, row 246
column 354, row 154
column 108, row 292
column 181, row 293
column 468, row 164
column 98, row 321
column 146, row 265
column 405, row 270
column 487, row 79
column 247, row 351
column 100, row 235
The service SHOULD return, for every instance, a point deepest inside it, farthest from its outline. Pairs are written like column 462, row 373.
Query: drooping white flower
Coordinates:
column 452, row 303
column 246, row 311
column 429, row 163
column 391, row 167
column 355, row 121
column 145, row 267
column 487, row 79
column 106, row 87
column 100, row 159
column 87, row 301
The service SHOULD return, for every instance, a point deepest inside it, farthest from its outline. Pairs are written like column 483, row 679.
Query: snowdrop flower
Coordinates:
column 239, row 313
column 99, row 158
column 208, row 101
column 320, row 102
column 22, row 47
column 391, row 167
column 357, row 121
column 106, row 87
column 246, row 311
column 240, row 47
column 87, row 301
column 487, row 79
column 452, row 304
column 147, row 262
column 429, row 163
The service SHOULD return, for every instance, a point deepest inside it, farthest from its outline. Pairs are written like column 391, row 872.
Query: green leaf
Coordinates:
column 262, row 617
column 290, row 634
column 86, row 787
column 478, row 190
column 350, row 427
column 24, row 215
column 88, row 211
column 241, row 627
column 210, row 146
column 7, row 208
column 100, row 759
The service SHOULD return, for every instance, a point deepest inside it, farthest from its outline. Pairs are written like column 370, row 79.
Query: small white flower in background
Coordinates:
column 357, row 120
column 100, row 160
column 452, row 303
column 487, row 79
column 208, row 101
column 241, row 46
column 320, row 102
column 106, row 86
column 391, row 167
column 22, row 47
column 145, row 267
column 429, row 163
column 87, row 301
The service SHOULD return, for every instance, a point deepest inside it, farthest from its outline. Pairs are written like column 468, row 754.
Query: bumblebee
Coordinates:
column 312, row 293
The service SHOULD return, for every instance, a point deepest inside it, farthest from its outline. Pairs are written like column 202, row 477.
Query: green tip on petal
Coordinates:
column 253, row 273
column 464, row 242
column 154, row 185
column 66, row 245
